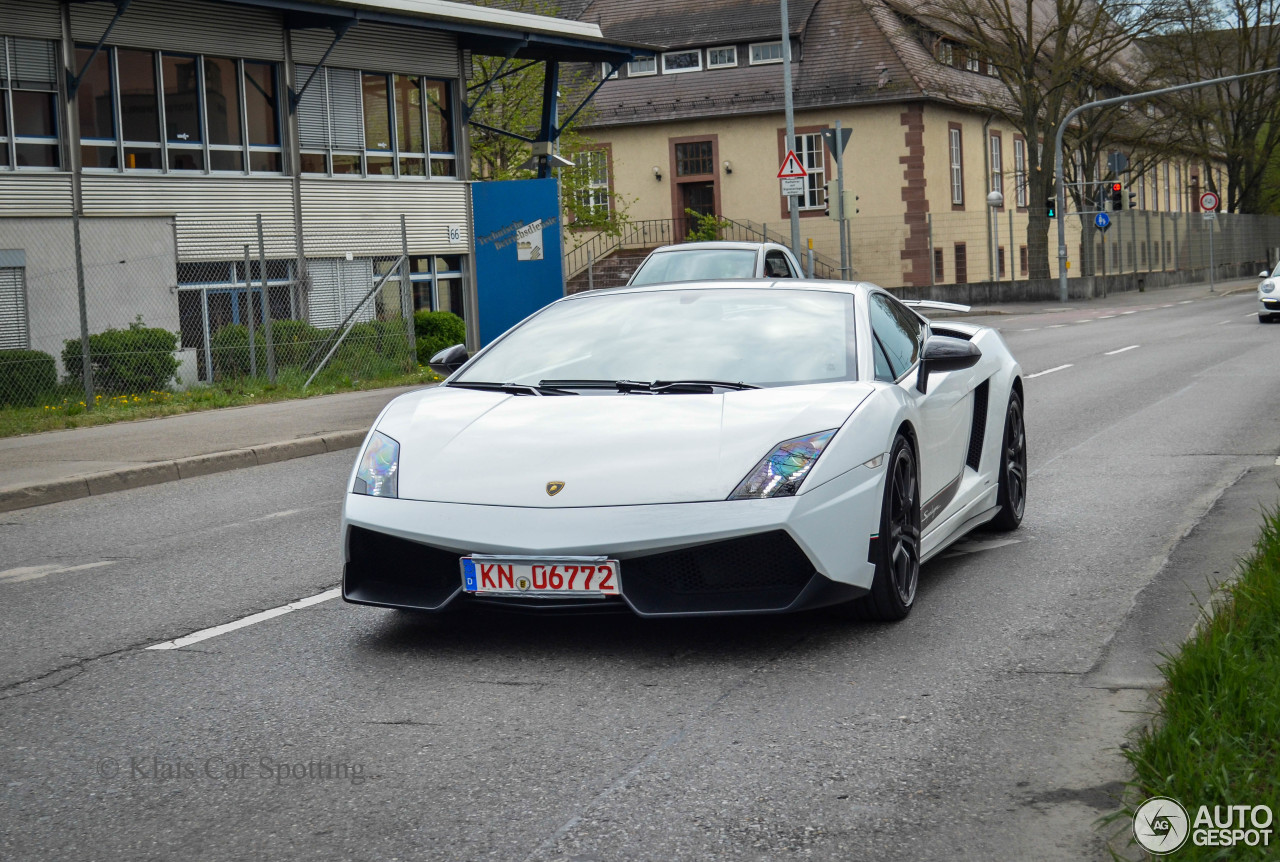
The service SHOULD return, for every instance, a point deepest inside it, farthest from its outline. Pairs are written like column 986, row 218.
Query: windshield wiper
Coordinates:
column 509, row 388
column 696, row 387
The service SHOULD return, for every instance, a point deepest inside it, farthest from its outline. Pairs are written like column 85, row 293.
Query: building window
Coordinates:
column 992, row 70
column 1142, row 191
column 957, row 168
column 720, row 58
column 593, row 195
column 28, row 104
column 642, row 66
column 1022, row 259
column 1168, row 190
column 375, row 124
column 15, row 333
column 766, row 52
column 939, row 267
column 810, row 152
column 694, row 159
column 997, row 165
column 944, row 53
column 220, row 114
column 962, row 264
column 1000, row 261
column 681, row 61
column 1020, row 170
column 971, row 62
column 437, row 283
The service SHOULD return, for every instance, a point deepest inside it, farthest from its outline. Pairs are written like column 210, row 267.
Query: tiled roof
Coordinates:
column 680, row 23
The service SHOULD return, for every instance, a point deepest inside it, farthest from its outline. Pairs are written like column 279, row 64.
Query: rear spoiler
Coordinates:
column 934, row 304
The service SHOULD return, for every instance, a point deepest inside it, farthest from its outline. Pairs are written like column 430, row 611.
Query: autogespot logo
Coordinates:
column 1161, row 825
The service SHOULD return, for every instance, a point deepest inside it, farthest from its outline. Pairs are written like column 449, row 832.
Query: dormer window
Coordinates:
column 722, row 58
column 766, row 52
column 641, row 66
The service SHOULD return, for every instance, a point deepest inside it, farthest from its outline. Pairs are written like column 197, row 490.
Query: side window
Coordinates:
column 898, row 330
column 775, row 266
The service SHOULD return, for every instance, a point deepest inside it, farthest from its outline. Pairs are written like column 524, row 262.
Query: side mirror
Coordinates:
column 449, row 360
column 944, row 353
column 1264, row 274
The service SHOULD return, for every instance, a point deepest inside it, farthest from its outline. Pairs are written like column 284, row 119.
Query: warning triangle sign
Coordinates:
column 791, row 167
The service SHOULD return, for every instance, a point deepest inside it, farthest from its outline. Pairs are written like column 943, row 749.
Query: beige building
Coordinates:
column 700, row 126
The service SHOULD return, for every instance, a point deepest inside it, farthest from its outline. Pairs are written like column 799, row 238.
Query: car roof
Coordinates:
column 718, row 244
column 829, row 285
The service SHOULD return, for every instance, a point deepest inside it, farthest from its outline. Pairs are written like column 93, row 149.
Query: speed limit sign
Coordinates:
column 1209, row 202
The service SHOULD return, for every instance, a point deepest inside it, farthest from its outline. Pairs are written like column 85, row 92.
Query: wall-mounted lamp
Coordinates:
column 728, row 166
column 657, row 173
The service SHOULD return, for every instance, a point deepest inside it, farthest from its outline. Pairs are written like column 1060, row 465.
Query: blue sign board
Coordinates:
column 1102, row 221
column 519, row 265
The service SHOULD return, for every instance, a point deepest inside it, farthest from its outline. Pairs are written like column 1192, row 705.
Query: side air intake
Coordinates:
column 978, row 431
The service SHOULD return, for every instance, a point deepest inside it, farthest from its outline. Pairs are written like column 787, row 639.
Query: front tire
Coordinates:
column 1012, row 496
column 893, row 590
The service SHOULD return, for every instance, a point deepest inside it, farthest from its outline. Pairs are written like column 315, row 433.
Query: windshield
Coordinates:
column 697, row 264
column 763, row 337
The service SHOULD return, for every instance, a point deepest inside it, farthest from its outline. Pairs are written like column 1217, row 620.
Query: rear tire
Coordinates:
column 1012, row 494
column 893, row 590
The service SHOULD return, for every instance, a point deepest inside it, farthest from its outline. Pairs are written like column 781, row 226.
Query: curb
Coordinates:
column 156, row 472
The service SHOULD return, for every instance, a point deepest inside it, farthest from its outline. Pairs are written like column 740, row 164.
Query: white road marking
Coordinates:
column 1251, row 314
column 1106, row 317
column 286, row 513
column 1135, row 311
column 30, row 573
column 1186, row 302
column 1121, row 350
column 1033, row 329
column 1170, row 305
column 205, row 634
column 1222, row 323
column 1278, row 462
column 1050, row 371
column 1056, row 326
column 1082, row 321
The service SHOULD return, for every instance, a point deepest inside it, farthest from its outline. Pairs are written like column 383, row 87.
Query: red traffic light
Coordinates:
column 1115, row 187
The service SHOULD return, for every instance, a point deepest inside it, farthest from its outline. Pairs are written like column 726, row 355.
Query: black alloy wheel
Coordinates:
column 893, row 591
column 1012, row 496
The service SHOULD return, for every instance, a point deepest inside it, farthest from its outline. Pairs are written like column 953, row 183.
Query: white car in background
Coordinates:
column 701, row 261
column 1269, row 295
column 699, row 448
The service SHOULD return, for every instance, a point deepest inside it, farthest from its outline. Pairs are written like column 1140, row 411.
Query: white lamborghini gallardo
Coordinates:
column 721, row 447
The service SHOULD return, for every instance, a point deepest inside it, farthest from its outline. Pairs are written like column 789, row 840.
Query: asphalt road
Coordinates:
column 985, row 726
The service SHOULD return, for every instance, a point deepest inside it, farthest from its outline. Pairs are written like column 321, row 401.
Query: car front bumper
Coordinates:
column 742, row 556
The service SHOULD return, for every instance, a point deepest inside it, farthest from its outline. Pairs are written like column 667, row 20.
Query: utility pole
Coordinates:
column 789, row 108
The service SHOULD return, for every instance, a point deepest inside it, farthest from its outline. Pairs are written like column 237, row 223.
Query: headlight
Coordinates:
column 376, row 475
column 1268, row 286
column 783, row 469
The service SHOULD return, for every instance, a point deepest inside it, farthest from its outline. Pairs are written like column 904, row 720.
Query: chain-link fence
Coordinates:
column 168, row 305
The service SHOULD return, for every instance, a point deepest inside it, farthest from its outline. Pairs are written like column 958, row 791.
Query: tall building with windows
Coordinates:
column 171, row 126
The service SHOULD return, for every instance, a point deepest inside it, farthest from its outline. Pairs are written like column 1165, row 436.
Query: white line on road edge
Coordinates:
column 1106, row 317
column 205, row 634
column 1222, row 323
column 1135, row 311
column 1121, row 350
column 1050, row 371
column 1170, row 305
column 1055, row 326
column 31, row 573
column 1186, row 302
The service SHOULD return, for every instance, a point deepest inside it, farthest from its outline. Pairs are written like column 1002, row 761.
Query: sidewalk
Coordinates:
column 65, row 465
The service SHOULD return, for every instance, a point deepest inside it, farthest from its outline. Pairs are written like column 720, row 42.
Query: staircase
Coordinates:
column 611, row 271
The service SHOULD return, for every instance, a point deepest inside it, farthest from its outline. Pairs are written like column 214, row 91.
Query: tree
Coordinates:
column 513, row 102
column 1236, row 125
column 1046, row 54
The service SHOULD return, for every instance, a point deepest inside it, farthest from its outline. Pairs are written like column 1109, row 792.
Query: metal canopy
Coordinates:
column 481, row 30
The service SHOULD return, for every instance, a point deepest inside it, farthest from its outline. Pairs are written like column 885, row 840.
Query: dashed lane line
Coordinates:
column 261, row 616
column 1049, row 371
column 1122, row 350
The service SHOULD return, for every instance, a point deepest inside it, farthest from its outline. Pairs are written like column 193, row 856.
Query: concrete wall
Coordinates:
column 129, row 266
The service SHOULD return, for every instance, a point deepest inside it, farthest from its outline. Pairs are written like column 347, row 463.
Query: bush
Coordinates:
column 437, row 330
column 295, row 341
column 26, row 376
column 137, row 359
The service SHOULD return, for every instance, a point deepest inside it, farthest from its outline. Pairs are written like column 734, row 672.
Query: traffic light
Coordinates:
column 829, row 210
column 1117, row 196
column 1051, row 203
column 1133, row 200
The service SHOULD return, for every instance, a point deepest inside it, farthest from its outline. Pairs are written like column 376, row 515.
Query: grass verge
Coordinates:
column 1216, row 738
column 71, row 412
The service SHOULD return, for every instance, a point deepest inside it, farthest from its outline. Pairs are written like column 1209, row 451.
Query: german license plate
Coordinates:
column 560, row 577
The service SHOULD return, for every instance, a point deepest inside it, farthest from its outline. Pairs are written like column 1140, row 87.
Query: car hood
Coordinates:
column 466, row 446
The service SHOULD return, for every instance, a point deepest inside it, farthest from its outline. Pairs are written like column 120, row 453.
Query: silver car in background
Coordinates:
column 1269, row 295
column 701, row 261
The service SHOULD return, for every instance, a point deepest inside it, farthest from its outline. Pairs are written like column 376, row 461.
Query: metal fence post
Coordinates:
column 248, row 292
column 591, row 276
column 208, row 348
column 406, row 291
column 266, row 303
column 86, row 366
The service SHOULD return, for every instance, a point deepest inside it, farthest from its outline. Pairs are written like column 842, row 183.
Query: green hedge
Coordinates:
column 437, row 330
column 26, row 377
column 368, row 349
column 137, row 359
